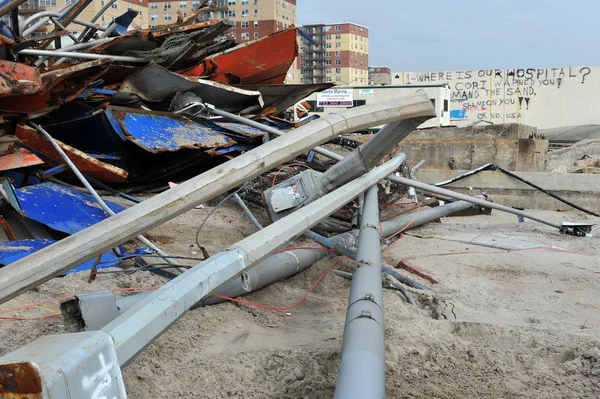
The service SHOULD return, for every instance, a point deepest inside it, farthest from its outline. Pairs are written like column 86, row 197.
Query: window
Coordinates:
column 245, row 36
column 195, row 4
column 338, row 70
column 338, row 45
column 256, row 24
column 256, row 13
column 129, row 6
column 103, row 21
column 182, row 4
column 154, row 6
column 231, row 2
column 255, row 1
column 230, row 13
column 338, row 78
column 338, row 36
column 338, row 62
column 337, row 53
column 328, row 54
column 168, row 17
column 114, row 5
column 245, row 1
column 445, row 105
column 245, row 24
column 338, row 28
column 255, row 35
column 328, row 45
column 245, row 13
column 166, row 5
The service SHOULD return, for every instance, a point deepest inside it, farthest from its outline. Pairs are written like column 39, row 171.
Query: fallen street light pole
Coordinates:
column 362, row 368
column 62, row 256
column 577, row 229
column 87, row 365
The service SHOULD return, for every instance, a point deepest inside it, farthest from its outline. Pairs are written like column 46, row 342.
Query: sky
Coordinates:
column 437, row 35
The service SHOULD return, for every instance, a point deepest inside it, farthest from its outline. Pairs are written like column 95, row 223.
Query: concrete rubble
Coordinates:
column 127, row 271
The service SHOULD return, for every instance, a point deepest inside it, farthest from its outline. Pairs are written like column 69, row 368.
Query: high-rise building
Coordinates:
column 337, row 53
column 380, row 76
column 254, row 19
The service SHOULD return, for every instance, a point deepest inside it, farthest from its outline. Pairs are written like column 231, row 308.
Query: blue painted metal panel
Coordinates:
column 12, row 251
column 58, row 207
column 160, row 132
column 235, row 148
column 123, row 22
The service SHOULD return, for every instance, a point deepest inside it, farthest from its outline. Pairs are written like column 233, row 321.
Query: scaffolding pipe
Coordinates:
column 397, row 179
column 45, row 20
column 362, row 368
column 87, row 56
column 78, row 46
column 93, row 192
column 71, row 251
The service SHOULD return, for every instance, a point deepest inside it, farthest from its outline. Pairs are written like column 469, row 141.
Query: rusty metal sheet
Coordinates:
column 19, row 79
column 19, row 158
column 20, row 380
column 163, row 131
column 59, row 86
column 88, row 165
column 165, row 31
column 262, row 61
column 155, row 84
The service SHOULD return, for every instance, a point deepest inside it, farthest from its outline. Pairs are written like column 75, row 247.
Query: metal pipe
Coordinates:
column 98, row 14
column 362, row 368
column 247, row 211
column 88, row 364
column 42, row 21
column 93, row 192
column 400, row 180
column 54, row 14
column 87, row 56
column 422, row 216
column 77, row 46
column 71, row 251
column 62, row 27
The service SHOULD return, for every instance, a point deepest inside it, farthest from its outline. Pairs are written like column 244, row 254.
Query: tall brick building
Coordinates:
column 340, row 53
column 254, row 18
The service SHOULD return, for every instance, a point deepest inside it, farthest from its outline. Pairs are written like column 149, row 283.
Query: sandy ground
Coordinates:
column 499, row 324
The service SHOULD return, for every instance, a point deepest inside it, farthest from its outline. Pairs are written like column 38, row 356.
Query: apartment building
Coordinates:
column 337, row 53
column 254, row 18
column 380, row 76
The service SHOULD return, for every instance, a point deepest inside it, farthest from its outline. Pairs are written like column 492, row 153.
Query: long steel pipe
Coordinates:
column 397, row 179
column 51, row 261
column 362, row 369
column 87, row 56
column 422, row 216
column 53, row 14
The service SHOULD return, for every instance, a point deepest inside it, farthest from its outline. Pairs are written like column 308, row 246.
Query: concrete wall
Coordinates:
column 581, row 189
column 541, row 97
column 508, row 146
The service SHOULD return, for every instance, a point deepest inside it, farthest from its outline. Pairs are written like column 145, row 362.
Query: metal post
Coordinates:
column 242, row 205
column 414, row 219
column 93, row 192
column 400, row 180
column 87, row 364
column 87, row 56
column 362, row 369
column 51, row 261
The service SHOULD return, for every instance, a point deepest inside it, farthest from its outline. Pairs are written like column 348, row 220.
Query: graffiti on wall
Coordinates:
column 499, row 95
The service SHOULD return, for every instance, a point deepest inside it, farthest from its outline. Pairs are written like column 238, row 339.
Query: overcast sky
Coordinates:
column 441, row 35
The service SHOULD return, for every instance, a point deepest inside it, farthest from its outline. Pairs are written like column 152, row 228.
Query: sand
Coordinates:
column 581, row 157
column 499, row 324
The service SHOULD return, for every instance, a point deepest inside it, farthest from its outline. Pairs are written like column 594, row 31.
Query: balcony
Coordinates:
column 32, row 7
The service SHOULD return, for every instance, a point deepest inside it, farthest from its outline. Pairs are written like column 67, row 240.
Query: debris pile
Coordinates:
column 131, row 110
column 581, row 157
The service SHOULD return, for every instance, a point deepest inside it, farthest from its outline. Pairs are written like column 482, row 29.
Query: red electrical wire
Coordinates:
column 408, row 225
column 288, row 166
column 57, row 299
column 257, row 305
